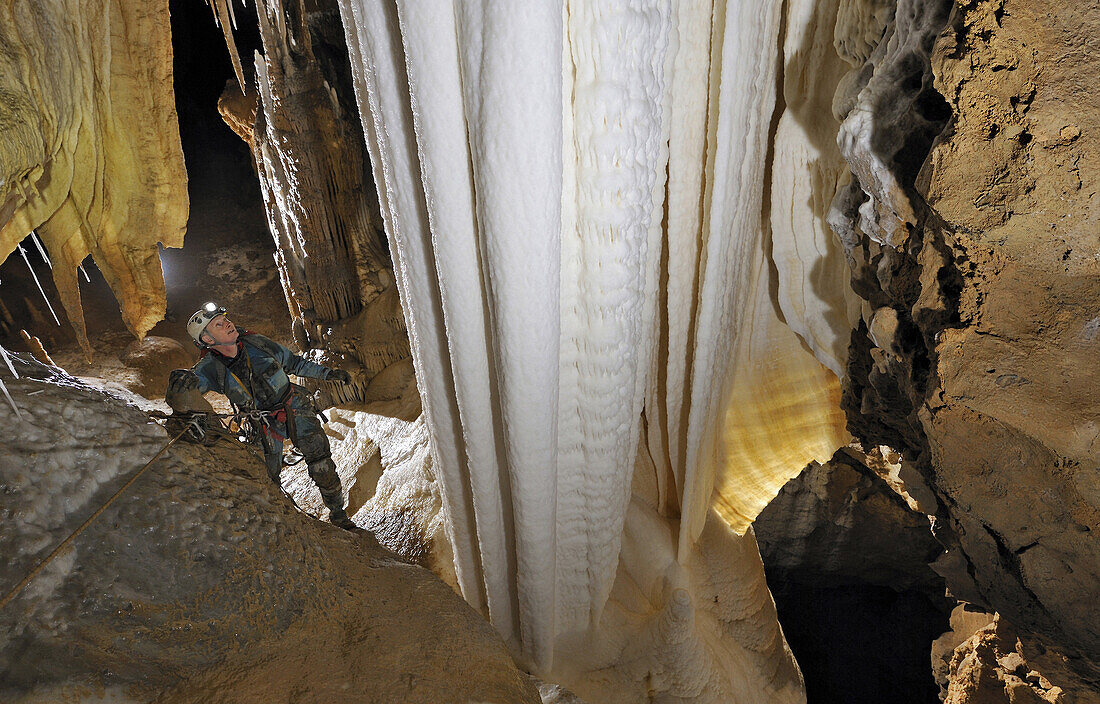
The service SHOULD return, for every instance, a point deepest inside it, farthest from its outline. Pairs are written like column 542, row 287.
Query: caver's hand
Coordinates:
column 181, row 380
column 338, row 375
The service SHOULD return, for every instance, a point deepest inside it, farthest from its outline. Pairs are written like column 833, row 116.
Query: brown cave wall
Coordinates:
column 977, row 359
column 1014, row 431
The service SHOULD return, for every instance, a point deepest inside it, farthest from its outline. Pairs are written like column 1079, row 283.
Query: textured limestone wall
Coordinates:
column 320, row 203
column 983, row 659
column 202, row 583
column 978, row 259
column 90, row 154
column 1015, row 182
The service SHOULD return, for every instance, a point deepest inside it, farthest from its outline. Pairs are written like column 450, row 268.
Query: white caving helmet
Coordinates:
column 197, row 323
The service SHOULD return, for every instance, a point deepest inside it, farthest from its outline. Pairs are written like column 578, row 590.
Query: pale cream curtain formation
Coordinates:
column 575, row 199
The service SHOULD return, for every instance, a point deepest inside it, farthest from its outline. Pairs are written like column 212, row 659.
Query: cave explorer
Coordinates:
column 257, row 379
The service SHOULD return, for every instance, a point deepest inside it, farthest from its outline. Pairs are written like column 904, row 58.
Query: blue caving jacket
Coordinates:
column 266, row 361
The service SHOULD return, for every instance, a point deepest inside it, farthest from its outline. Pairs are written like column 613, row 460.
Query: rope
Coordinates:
column 64, row 543
column 192, row 424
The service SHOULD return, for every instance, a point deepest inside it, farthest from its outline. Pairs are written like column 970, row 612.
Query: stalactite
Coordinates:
column 90, row 160
column 614, row 165
column 813, row 289
column 224, row 18
column 331, row 259
column 4, row 388
column 41, row 249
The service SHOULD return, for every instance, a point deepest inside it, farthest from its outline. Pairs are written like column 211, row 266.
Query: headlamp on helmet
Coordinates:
column 197, row 323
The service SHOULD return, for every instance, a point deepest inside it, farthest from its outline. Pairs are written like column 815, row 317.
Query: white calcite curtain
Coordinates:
column 574, row 196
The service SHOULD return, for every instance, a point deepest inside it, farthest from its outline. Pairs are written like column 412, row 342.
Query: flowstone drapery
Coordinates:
column 575, row 201
column 90, row 155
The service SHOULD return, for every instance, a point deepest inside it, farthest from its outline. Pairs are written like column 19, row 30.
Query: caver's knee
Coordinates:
column 314, row 447
column 323, row 473
column 274, row 464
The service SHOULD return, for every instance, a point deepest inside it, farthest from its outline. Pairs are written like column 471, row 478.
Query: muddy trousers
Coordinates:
column 304, row 430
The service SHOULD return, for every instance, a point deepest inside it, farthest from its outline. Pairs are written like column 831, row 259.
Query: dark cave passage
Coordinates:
column 847, row 563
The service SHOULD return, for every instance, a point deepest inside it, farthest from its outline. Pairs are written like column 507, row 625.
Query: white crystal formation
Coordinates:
column 574, row 198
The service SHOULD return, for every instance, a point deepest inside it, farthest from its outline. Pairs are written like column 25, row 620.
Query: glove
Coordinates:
column 181, row 380
column 338, row 375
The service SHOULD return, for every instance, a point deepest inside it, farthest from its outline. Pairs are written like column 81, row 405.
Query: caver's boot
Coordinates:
column 336, row 514
column 323, row 473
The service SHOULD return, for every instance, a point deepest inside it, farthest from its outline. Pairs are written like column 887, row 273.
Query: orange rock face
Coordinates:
column 90, row 154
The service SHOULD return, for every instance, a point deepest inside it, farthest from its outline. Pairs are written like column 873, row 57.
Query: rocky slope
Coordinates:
column 201, row 583
column 984, row 660
column 847, row 561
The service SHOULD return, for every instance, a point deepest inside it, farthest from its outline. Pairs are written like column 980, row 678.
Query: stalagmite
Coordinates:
column 37, row 319
column 553, row 305
column 38, row 351
column 6, row 321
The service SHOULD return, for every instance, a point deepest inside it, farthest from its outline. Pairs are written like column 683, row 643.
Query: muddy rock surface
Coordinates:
column 201, row 582
column 153, row 358
column 977, row 359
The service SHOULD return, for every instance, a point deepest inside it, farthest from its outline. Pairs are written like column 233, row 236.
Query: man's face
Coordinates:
column 221, row 331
